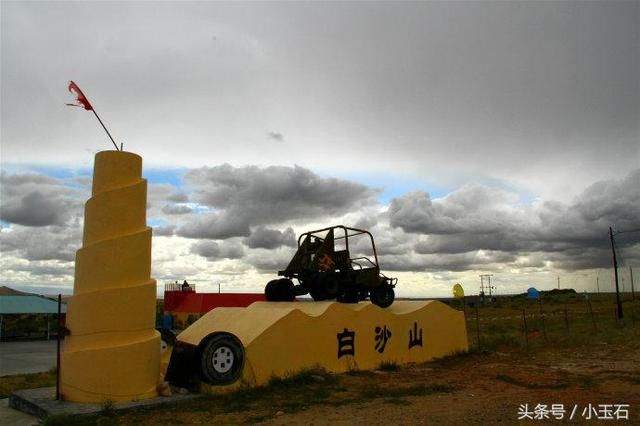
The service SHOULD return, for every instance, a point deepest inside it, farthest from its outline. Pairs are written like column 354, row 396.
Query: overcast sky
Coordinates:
column 470, row 137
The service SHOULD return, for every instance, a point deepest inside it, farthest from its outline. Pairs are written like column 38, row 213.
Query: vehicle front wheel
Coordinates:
column 222, row 359
column 382, row 296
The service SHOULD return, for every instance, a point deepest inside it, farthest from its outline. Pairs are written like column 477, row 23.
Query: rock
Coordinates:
column 318, row 378
column 182, row 391
column 280, row 413
column 164, row 389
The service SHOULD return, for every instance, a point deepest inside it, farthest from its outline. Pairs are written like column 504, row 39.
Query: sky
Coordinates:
column 481, row 137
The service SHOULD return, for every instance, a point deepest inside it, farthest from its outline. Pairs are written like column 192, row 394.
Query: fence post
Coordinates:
column 526, row 329
column 544, row 328
column 478, row 325
column 593, row 319
column 58, row 333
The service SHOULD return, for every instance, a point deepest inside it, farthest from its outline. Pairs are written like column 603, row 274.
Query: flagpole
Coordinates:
column 105, row 129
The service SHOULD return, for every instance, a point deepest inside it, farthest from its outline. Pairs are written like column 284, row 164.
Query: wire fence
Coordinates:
column 530, row 324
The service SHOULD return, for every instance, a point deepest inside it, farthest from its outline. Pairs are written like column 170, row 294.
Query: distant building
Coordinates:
column 24, row 315
column 183, row 305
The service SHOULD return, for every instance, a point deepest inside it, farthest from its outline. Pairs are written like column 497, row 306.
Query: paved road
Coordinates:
column 27, row 357
column 10, row 416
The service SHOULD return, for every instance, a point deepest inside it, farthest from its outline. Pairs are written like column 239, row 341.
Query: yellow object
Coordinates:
column 458, row 291
column 281, row 338
column 113, row 351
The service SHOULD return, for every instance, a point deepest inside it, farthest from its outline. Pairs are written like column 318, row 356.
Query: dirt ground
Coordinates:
column 489, row 389
column 573, row 356
column 480, row 388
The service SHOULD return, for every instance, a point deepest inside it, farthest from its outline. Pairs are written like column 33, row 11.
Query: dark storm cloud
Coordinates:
column 276, row 136
column 36, row 200
column 270, row 261
column 161, row 193
column 164, row 231
column 457, row 262
column 262, row 237
column 38, row 269
column 215, row 251
column 214, row 226
column 42, row 243
column 176, row 209
column 480, row 218
column 531, row 92
column 471, row 209
column 251, row 196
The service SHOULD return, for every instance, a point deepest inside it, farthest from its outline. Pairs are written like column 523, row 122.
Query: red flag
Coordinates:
column 81, row 99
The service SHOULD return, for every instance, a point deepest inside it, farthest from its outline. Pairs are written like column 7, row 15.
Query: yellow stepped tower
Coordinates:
column 113, row 350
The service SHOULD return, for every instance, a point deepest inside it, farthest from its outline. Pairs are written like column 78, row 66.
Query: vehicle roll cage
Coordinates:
column 348, row 233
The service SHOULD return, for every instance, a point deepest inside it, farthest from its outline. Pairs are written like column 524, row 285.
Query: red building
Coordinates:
column 185, row 305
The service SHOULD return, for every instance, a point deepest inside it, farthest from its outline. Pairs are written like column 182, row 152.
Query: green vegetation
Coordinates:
column 418, row 390
column 389, row 366
column 9, row 384
column 502, row 333
column 558, row 321
column 517, row 382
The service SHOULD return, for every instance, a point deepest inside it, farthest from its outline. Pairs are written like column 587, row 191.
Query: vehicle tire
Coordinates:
column 281, row 290
column 167, row 339
column 348, row 295
column 317, row 293
column 286, row 290
column 271, row 291
column 331, row 286
column 222, row 359
column 324, row 287
column 382, row 296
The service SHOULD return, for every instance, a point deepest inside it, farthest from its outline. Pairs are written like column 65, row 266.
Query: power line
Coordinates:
column 626, row 232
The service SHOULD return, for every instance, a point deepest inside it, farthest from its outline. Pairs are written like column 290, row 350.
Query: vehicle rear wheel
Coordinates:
column 324, row 287
column 382, row 296
column 270, row 291
column 281, row 290
column 349, row 295
column 222, row 359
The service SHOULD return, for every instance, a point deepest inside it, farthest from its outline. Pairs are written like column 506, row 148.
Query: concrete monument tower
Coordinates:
column 113, row 350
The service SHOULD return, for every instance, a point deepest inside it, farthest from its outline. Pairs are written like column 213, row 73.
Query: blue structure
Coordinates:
column 29, row 305
column 532, row 293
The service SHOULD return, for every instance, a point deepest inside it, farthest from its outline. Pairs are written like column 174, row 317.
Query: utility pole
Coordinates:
column 558, row 282
column 489, row 286
column 615, row 271
column 598, row 284
column 633, row 293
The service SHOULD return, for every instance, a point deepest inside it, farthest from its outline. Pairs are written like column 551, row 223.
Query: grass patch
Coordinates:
column 259, row 418
column 418, row 390
column 396, row 401
column 108, row 409
column 9, row 384
column 632, row 379
column 586, row 381
column 517, row 382
column 302, row 378
column 76, row 420
column 359, row 373
column 389, row 366
column 456, row 357
column 294, row 392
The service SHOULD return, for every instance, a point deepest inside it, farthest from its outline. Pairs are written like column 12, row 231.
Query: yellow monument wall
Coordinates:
column 113, row 350
column 282, row 338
